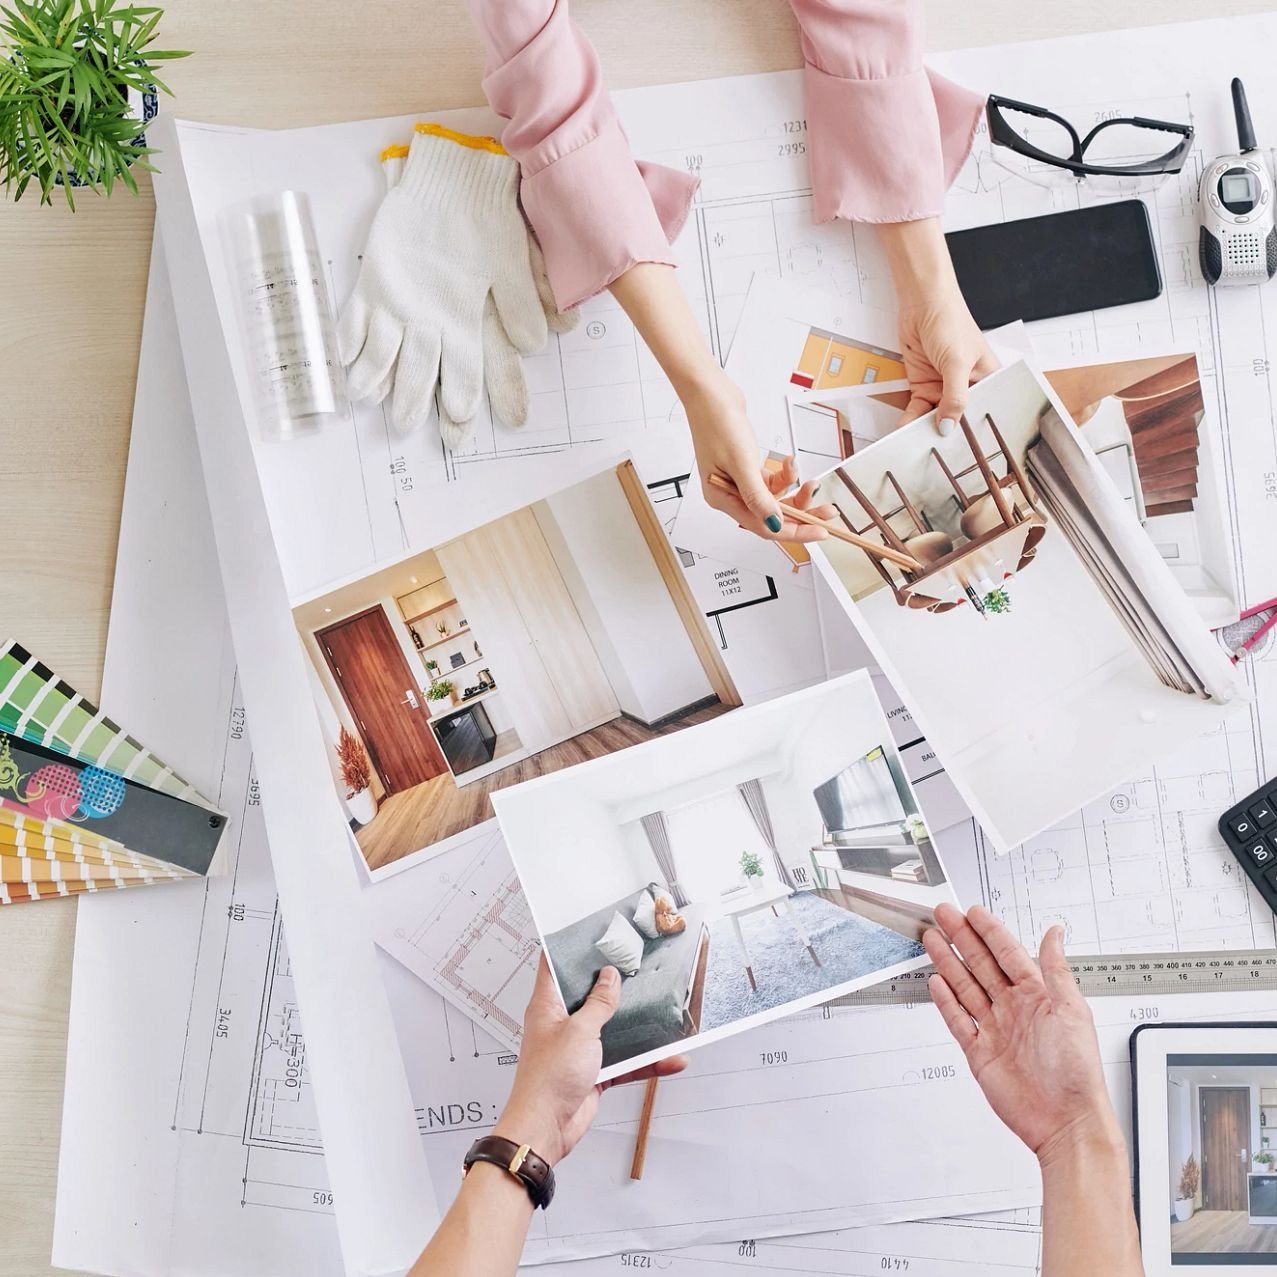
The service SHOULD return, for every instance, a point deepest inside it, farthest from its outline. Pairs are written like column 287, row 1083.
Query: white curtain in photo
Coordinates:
column 751, row 792
column 657, row 829
column 709, row 838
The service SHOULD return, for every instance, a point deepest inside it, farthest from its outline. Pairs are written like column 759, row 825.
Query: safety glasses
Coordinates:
column 1126, row 152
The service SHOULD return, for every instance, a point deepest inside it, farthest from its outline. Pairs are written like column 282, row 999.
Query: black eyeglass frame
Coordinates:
column 1001, row 133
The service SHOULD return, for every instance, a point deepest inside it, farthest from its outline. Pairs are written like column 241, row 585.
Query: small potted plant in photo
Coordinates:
column 916, row 827
column 997, row 600
column 1186, row 1194
column 356, row 774
column 77, row 90
column 752, row 868
column 441, row 628
column 438, row 693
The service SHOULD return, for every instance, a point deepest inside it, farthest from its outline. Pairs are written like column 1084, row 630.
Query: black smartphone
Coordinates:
column 1060, row 264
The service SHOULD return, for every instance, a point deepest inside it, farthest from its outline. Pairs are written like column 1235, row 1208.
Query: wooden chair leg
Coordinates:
column 1013, row 464
column 986, row 471
column 907, row 504
column 953, row 481
column 889, row 534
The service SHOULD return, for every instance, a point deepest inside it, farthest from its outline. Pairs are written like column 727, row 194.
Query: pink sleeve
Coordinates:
column 886, row 135
column 594, row 209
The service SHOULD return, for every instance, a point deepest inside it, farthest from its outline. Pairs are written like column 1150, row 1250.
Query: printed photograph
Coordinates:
column 1222, row 1196
column 743, row 869
column 560, row 632
column 1145, row 421
column 1011, row 595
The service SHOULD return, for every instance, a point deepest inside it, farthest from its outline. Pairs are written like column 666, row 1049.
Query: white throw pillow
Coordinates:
column 621, row 945
column 645, row 916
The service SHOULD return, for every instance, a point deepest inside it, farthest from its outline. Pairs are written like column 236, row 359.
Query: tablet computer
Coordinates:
column 1204, row 1100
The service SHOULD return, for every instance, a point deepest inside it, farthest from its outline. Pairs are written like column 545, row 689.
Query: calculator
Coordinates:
column 1250, row 830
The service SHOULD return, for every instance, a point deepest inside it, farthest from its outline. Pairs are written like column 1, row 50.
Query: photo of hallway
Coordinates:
column 560, row 632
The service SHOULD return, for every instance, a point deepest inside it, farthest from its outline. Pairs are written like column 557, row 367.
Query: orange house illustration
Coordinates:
column 830, row 360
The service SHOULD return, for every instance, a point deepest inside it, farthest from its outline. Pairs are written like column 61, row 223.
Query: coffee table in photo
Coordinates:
column 750, row 901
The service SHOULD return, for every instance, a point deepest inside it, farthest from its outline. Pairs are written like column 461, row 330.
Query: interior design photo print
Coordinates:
column 735, row 872
column 560, row 631
column 1016, row 597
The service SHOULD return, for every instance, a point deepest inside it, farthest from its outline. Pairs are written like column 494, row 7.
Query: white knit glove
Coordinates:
column 446, row 294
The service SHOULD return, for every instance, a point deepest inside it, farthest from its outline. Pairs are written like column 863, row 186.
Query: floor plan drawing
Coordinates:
column 460, row 923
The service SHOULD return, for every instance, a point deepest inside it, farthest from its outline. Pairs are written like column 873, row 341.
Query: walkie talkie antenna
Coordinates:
column 1245, row 129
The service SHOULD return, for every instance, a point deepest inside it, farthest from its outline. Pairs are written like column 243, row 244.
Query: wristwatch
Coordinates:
column 533, row 1172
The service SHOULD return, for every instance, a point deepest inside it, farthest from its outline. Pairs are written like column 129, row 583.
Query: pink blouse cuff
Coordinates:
column 596, row 213
column 886, row 150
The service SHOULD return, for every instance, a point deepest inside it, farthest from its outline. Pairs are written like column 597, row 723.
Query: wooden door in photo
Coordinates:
column 1225, row 1116
column 385, row 699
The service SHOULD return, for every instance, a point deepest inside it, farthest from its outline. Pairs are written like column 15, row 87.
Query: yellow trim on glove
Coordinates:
column 396, row 152
column 463, row 139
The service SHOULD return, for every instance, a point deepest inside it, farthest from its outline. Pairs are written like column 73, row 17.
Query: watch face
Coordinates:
column 1238, row 190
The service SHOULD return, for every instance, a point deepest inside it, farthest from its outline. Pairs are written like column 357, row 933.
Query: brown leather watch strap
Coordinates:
column 533, row 1172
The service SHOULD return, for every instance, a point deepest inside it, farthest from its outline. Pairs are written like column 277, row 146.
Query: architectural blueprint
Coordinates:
column 466, row 930
column 228, row 1172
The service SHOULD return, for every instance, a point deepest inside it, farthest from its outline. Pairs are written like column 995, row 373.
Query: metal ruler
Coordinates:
column 1123, row 975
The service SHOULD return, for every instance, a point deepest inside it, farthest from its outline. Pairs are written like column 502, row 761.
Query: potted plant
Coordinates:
column 432, row 668
column 1264, row 1162
column 917, row 828
column 443, row 690
column 997, row 600
column 77, row 89
column 752, row 868
column 1186, row 1194
column 356, row 774
column 441, row 627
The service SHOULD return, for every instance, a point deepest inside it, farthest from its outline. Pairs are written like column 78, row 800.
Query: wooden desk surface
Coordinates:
column 71, row 295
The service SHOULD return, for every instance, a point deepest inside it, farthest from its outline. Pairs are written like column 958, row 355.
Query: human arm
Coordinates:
column 886, row 137
column 1028, row 1036
column 725, row 446
column 551, row 1105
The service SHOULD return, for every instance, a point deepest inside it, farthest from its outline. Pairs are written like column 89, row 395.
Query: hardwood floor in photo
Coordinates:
column 1222, row 1232
column 427, row 813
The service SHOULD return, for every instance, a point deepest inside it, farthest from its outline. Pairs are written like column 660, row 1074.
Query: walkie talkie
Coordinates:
column 1237, row 241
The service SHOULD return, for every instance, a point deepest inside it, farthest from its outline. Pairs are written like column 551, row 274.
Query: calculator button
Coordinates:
column 1242, row 826
column 1261, row 851
column 1262, row 814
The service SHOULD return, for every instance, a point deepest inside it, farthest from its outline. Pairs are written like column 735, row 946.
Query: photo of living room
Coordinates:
column 1010, row 594
column 740, row 870
column 1222, row 1198
column 562, row 631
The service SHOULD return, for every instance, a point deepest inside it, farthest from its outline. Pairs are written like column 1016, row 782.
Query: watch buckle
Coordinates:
column 520, row 1156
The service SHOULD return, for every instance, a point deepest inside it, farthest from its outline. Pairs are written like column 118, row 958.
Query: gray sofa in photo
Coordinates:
column 661, row 1003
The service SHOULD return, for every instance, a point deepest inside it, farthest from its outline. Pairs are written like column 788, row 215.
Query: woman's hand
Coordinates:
column 1025, row 1029
column 724, row 440
column 733, row 481
column 943, row 350
column 555, row 1096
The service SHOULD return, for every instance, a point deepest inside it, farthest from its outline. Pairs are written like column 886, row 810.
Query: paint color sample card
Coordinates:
column 40, row 707
column 71, row 823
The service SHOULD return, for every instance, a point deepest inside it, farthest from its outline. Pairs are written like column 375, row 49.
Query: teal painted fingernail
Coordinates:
column 773, row 523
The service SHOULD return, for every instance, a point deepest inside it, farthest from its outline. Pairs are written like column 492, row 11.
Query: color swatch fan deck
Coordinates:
column 84, row 806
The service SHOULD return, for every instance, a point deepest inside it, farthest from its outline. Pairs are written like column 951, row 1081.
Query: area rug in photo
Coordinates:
column 1042, row 642
column 734, row 872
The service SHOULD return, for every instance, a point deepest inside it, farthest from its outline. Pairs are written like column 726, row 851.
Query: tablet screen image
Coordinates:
column 1206, row 1106
column 1221, row 1113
